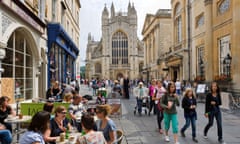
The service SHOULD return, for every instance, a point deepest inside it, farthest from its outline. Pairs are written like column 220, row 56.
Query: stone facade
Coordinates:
column 214, row 34
column 157, row 38
column 119, row 52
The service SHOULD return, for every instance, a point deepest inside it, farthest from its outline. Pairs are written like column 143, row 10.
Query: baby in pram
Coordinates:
column 141, row 94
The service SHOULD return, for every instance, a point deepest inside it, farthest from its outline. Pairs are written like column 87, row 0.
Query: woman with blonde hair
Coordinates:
column 105, row 124
column 189, row 104
column 68, row 97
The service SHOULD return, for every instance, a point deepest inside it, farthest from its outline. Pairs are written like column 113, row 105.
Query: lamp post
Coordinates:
column 201, row 64
column 2, row 55
column 227, row 61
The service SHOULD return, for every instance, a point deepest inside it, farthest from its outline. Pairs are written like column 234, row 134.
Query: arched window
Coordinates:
column 18, row 64
column 119, row 48
column 178, row 23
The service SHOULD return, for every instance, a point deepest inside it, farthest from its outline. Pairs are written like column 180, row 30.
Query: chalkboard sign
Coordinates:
column 201, row 88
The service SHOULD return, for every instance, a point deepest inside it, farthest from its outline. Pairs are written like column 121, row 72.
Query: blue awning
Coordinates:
column 57, row 34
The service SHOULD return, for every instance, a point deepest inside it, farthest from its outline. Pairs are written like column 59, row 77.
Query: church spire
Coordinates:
column 129, row 6
column 112, row 10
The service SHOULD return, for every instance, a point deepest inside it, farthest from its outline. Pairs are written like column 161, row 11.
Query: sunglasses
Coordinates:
column 63, row 112
column 98, row 112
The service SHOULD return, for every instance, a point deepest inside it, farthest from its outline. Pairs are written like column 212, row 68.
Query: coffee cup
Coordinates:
column 20, row 116
column 62, row 137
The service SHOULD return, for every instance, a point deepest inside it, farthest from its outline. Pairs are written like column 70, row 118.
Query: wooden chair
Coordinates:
column 119, row 136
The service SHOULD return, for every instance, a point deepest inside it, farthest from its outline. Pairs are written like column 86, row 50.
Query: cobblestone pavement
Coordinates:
column 143, row 129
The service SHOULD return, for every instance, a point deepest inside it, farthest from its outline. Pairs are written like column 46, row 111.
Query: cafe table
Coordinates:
column 17, row 121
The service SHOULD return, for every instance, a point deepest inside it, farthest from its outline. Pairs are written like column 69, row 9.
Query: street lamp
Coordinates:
column 227, row 62
column 201, row 64
column 2, row 55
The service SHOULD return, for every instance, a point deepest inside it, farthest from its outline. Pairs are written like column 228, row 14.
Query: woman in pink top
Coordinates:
column 91, row 136
column 151, row 94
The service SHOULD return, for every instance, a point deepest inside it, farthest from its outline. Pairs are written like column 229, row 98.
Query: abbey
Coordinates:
column 119, row 52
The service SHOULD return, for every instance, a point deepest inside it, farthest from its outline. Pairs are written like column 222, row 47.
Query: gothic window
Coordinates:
column 178, row 24
column 119, row 48
column 224, row 6
column 199, row 20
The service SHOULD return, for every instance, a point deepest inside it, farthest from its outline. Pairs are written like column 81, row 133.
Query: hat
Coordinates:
column 140, row 83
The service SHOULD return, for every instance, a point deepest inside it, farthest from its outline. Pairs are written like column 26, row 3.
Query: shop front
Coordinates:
column 62, row 54
column 22, row 41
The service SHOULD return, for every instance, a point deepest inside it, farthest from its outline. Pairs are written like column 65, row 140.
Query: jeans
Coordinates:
column 218, row 116
column 159, row 118
column 192, row 120
column 152, row 106
column 139, row 105
column 5, row 137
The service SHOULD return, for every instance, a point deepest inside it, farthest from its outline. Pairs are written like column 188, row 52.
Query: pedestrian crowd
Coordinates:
column 165, row 96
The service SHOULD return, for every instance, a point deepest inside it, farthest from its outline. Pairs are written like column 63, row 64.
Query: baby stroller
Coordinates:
column 145, row 105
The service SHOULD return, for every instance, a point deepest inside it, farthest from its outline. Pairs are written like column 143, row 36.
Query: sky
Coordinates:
column 91, row 12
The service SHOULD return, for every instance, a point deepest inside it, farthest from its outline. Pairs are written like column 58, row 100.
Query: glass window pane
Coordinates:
column 29, row 61
column 29, row 73
column 28, row 94
column 19, row 72
column 19, row 42
column 8, row 70
column 19, row 59
column 29, row 83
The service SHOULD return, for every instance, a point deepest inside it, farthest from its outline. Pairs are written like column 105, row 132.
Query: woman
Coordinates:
column 189, row 104
column 36, row 129
column 169, row 102
column 91, row 136
column 105, row 124
column 5, row 135
column 68, row 97
column 159, row 92
column 60, row 123
column 5, row 110
column 151, row 94
column 212, row 109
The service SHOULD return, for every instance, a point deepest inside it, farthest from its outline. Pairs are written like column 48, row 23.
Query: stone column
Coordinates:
column 208, row 40
column 235, row 69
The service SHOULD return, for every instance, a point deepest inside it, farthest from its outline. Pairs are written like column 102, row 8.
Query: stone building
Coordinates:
column 23, row 38
column 157, row 38
column 27, row 40
column 208, row 31
column 119, row 52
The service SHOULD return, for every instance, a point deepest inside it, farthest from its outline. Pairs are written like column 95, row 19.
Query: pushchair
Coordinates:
column 145, row 105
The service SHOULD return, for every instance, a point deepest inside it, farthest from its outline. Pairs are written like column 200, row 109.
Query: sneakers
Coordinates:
column 195, row 140
column 205, row 136
column 221, row 141
column 183, row 134
column 167, row 139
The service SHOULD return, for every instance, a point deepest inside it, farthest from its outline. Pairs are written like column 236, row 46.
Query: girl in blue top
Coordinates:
column 105, row 124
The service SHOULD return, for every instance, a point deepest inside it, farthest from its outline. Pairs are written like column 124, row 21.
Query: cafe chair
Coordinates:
column 119, row 136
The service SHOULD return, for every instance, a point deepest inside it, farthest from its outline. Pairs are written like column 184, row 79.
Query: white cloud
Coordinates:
column 91, row 12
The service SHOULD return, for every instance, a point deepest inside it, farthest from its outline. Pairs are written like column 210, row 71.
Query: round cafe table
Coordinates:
column 15, row 120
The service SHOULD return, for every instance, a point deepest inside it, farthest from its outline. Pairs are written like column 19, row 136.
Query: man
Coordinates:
column 76, row 110
column 125, row 87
